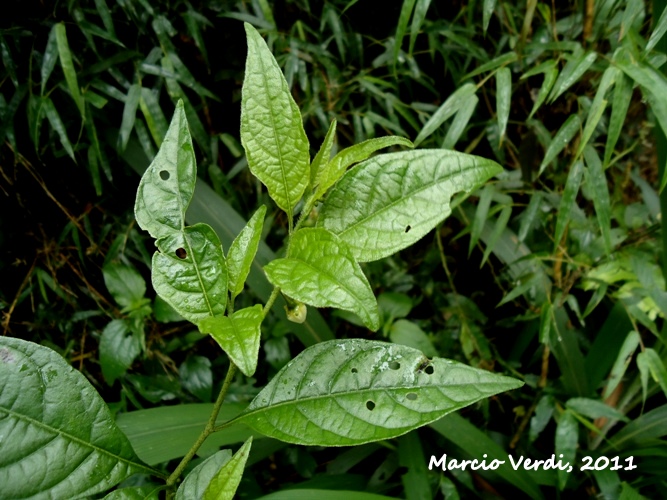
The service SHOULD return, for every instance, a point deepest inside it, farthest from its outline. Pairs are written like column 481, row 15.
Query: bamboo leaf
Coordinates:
column 487, row 10
column 57, row 125
column 417, row 19
column 444, row 112
column 503, row 99
column 567, row 202
column 619, row 109
column 567, row 437
column 50, row 57
column 68, row 66
column 404, row 17
column 573, row 70
column 598, row 182
column 129, row 115
column 560, row 140
column 550, row 77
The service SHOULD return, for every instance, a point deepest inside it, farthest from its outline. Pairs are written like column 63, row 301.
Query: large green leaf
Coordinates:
column 223, row 485
column 348, row 392
column 119, row 347
column 354, row 154
column 238, row 335
column 321, row 271
column 166, row 187
column 146, row 430
column 242, row 251
column 59, row 439
column 190, row 274
column 196, row 482
column 271, row 129
column 398, row 198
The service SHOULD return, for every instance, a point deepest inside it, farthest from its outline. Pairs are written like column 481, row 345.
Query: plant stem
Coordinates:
column 269, row 303
column 208, row 430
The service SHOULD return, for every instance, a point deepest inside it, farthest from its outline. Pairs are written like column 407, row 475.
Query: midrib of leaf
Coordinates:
column 332, row 278
column 196, row 266
column 280, row 153
column 400, row 200
column 79, row 441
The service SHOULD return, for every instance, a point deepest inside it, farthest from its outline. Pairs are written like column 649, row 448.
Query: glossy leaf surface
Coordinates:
column 348, row 392
column 195, row 483
column 190, row 274
column 355, row 154
column 238, row 335
column 166, row 187
column 271, row 129
column 242, row 251
column 59, row 438
column 318, row 167
column 321, row 271
column 398, row 198
column 223, row 485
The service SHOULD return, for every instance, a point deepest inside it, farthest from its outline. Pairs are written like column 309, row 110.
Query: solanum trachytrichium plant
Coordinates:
column 335, row 393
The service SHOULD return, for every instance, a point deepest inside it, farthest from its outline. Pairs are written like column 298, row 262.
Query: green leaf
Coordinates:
column 166, row 188
column 54, row 424
column 622, row 362
column 150, row 107
column 619, row 109
column 225, row 482
column 597, row 180
column 242, row 251
column 597, row 107
column 271, row 128
column 593, row 408
column 460, row 122
column 399, row 198
column 68, row 66
column 321, row 271
column 195, row 484
column 238, row 335
column 119, row 347
column 50, row 58
column 418, row 17
column 501, row 60
column 529, row 215
column 447, row 110
column 146, row 492
column 567, row 437
column 416, row 483
column 403, row 19
column 190, row 274
column 498, row 229
column 57, row 125
column 487, row 10
column 560, row 140
column 407, row 333
column 183, row 423
column 196, row 376
column 318, row 167
column 568, row 201
column 656, row 367
column 550, row 77
column 124, row 283
column 354, row 154
column 348, row 392
column 573, row 70
column 644, row 429
column 309, row 494
column 658, row 31
column 129, row 115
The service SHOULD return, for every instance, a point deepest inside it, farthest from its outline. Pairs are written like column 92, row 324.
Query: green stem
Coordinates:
column 269, row 303
column 208, row 430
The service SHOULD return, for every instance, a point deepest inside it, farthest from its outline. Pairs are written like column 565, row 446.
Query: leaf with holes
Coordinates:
column 398, row 198
column 242, row 251
column 321, row 271
column 349, row 392
column 167, row 186
column 238, row 335
column 190, row 274
column 271, row 128
column 59, row 438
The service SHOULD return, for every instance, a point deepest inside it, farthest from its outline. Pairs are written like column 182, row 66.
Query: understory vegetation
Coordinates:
column 552, row 272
